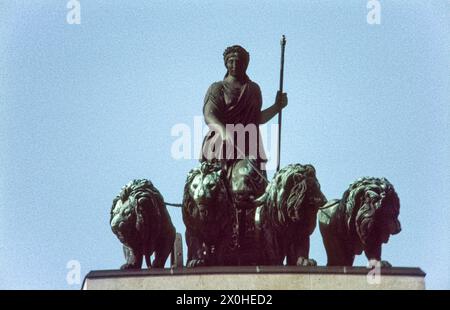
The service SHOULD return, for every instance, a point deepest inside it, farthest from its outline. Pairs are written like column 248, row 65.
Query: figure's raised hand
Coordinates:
column 281, row 100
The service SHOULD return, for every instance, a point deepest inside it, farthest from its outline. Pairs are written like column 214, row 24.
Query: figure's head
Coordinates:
column 236, row 60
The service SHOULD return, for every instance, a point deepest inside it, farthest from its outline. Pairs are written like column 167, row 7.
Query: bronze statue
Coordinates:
column 287, row 213
column 230, row 107
column 140, row 220
column 362, row 220
column 208, row 215
column 233, row 214
column 233, row 111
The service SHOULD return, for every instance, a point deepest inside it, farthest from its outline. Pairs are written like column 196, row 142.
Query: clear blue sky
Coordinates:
column 86, row 108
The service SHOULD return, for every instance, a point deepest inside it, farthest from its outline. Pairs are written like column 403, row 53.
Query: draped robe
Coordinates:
column 235, row 106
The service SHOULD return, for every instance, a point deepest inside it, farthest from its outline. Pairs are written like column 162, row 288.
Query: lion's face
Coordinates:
column 123, row 218
column 303, row 196
column 204, row 190
column 386, row 217
column 387, row 223
column 377, row 219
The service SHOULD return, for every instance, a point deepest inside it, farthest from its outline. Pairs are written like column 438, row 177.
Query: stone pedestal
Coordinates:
column 258, row 278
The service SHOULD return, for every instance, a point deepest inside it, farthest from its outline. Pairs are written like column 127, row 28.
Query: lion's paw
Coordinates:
column 195, row 263
column 301, row 261
column 378, row 264
column 385, row 263
column 128, row 266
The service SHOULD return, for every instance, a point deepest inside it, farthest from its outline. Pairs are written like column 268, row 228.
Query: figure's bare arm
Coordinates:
column 281, row 102
column 269, row 113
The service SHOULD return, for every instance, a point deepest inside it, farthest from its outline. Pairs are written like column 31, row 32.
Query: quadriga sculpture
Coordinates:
column 362, row 220
column 208, row 215
column 140, row 220
column 286, row 216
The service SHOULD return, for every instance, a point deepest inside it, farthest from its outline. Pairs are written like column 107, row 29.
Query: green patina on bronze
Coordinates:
column 141, row 222
column 208, row 215
column 287, row 213
column 362, row 220
column 234, row 216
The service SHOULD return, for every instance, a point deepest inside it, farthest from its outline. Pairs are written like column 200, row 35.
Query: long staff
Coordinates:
column 283, row 45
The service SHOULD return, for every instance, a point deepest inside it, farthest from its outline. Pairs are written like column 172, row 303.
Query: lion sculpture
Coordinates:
column 140, row 220
column 286, row 215
column 208, row 215
column 362, row 220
